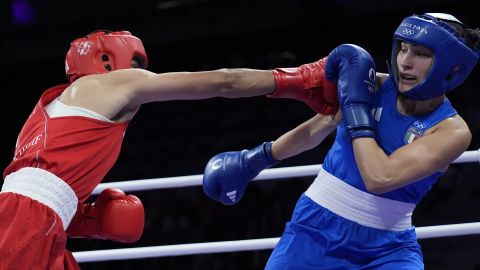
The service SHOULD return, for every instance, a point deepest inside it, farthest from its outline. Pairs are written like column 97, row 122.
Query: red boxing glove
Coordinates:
column 307, row 83
column 113, row 216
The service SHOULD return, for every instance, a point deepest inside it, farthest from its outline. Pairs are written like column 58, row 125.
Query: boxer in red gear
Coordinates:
column 74, row 135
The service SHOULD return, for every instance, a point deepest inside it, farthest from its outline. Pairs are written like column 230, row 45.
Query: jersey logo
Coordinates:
column 414, row 131
column 377, row 113
column 232, row 195
column 84, row 48
column 19, row 152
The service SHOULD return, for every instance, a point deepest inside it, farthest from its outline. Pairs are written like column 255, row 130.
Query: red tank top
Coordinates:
column 79, row 150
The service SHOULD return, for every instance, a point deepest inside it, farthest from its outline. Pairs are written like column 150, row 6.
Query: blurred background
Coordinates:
column 178, row 137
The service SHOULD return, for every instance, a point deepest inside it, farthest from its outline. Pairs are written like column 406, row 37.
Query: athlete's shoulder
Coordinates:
column 381, row 78
column 455, row 124
column 115, row 77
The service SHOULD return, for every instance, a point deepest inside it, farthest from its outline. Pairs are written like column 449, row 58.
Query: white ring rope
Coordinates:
column 276, row 173
column 242, row 245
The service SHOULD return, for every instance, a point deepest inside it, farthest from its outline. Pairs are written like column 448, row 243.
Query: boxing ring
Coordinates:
column 241, row 245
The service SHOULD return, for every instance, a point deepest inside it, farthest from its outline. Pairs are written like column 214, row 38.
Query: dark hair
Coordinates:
column 471, row 37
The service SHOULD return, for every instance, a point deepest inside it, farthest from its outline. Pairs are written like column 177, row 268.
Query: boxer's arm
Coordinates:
column 125, row 90
column 306, row 136
column 431, row 153
column 227, row 174
column 228, row 83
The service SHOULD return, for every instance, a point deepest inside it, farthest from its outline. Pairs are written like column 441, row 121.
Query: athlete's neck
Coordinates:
column 415, row 107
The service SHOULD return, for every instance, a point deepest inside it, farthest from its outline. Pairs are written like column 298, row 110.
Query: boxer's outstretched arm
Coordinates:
column 123, row 91
column 228, row 83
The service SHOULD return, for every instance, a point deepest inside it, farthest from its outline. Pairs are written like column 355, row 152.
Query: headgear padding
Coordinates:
column 453, row 60
column 103, row 51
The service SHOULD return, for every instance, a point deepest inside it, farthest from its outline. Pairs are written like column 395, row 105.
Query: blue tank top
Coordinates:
column 394, row 131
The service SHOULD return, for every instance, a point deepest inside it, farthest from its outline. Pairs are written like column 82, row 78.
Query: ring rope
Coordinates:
column 243, row 245
column 269, row 174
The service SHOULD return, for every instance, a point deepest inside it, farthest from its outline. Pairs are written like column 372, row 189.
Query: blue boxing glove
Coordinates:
column 354, row 69
column 227, row 174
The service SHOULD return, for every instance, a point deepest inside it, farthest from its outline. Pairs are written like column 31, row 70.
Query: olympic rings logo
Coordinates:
column 419, row 125
column 408, row 32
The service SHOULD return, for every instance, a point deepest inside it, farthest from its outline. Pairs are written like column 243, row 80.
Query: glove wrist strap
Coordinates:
column 359, row 121
column 288, row 83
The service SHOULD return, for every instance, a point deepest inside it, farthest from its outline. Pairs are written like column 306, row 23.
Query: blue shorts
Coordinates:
column 316, row 238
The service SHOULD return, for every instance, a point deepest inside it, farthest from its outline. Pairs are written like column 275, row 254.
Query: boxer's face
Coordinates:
column 414, row 63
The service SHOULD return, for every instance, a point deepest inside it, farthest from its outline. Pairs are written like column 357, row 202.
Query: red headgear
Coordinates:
column 103, row 51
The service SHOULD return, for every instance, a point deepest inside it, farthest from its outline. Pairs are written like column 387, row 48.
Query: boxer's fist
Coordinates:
column 227, row 174
column 354, row 68
column 307, row 83
column 114, row 216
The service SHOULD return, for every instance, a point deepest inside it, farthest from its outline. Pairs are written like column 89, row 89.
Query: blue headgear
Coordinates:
column 452, row 62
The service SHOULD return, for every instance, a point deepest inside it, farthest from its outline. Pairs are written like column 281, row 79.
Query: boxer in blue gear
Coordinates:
column 357, row 213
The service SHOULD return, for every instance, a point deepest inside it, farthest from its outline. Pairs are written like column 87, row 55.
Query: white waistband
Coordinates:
column 46, row 188
column 359, row 206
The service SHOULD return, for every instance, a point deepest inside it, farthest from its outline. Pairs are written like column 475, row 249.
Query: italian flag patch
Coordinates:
column 412, row 134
